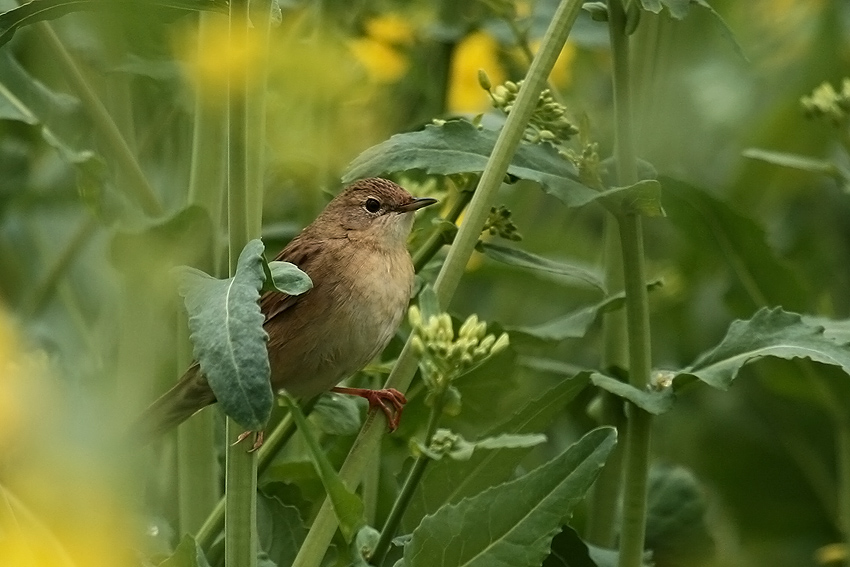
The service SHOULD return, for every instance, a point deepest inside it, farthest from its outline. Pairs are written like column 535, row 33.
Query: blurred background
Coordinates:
column 89, row 315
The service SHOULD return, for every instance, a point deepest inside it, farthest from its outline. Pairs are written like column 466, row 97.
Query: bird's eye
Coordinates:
column 372, row 205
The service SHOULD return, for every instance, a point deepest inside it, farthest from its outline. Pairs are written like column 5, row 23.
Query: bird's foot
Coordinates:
column 381, row 399
column 258, row 439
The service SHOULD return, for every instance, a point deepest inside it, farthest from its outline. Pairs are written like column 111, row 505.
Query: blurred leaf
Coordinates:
column 40, row 10
column 676, row 529
column 679, row 9
column 655, row 402
column 574, row 324
column 459, row 147
column 187, row 554
column 711, row 225
column 522, row 516
column 336, row 414
column 447, row 482
column 285, row 277
column 280, row 530
column 226, row 327
column 347, row 505
column 771, row 332
column 644, row 197
column 523, row 259
column 803, row 163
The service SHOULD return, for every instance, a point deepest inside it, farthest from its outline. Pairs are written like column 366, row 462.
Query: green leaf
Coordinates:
column 336, row 414
column 574, row 324
column 678, row 10
column 676, row 528
column 836, row 330
column 226, row 327
column 285, row 277
column 347, row 506
column 40, row 10
column 644, row 197
column 187, row 554
column 521, row 516
column 459, row 147
column 523, row 259
column 462, row 449
column 447, row 482
column 710, row 225
column 803, row 163
column 771, row 332
column 654, row 401
column 280, row 530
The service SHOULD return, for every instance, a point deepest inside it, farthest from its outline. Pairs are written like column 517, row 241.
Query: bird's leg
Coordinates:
column 258, row 439
column 379, row 399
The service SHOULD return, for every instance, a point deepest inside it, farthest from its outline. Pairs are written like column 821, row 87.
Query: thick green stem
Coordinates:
column 438, row 238
column 324, row 526
column 113, row 143
column 637, row 445
column 240, row 520
column 843, row 450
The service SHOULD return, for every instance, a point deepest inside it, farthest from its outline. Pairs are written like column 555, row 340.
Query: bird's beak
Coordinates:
column 416, row 204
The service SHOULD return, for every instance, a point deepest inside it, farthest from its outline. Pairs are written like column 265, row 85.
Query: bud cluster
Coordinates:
column 548, row 122
column 444, row 356
column 499, row 223
column 826, row 102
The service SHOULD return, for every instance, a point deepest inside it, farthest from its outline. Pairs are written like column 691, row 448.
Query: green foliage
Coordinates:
column 522, row 516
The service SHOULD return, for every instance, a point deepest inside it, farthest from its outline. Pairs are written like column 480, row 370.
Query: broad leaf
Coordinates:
column 523, row 259
column 574, row 324
column 336, row 414
column 286, row 277
column 710, row 225
column 187, row 554
column 459, row 147
column 521, row 517
column 654, row 401
column 347, row 505
column 448, row 481
column 644, row 198
column 771, row 332
column 280, row 530
column 461, row 449
column 40, row 10
column 226, row 327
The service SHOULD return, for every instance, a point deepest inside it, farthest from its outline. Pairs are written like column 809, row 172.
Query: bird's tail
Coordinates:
column 189, row 395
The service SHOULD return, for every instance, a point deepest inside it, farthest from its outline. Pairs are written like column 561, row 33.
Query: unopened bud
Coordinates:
column 484, row 80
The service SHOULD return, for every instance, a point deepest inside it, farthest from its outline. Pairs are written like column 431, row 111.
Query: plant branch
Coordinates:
column 438, row 238
column 324, row 526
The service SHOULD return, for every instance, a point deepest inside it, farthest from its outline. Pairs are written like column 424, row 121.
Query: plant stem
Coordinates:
column 113, row 143
column 240, row 519
column 636, row 464
column 843, row 449
column 401, row 503
column 324, row 526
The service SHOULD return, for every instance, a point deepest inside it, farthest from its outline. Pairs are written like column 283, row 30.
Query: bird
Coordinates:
column 355, row 252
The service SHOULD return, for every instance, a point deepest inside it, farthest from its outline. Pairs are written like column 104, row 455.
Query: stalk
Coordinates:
column 323, row 528
column 843, row 450
column 113, row 143
column 636, row 464
column 240, row 520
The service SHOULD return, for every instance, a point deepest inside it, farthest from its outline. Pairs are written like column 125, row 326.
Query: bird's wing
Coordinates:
column 302, row 254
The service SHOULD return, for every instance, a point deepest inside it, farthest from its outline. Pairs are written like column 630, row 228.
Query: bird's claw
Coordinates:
column 380, row 399
column 258, row 440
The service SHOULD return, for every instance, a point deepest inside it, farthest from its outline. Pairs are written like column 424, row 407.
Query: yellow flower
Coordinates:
column 476, row 51
column 390, row 29
column 383, row 63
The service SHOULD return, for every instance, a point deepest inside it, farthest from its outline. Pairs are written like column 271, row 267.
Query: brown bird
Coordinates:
column 356, row 254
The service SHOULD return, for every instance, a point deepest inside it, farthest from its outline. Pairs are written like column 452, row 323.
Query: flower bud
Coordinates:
column 484, row 80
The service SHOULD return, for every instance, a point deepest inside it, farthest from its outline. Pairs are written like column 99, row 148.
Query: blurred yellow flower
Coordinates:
column 478, row 50
column 390, row 29
column 209, row 63
column 562, row 73
column 382, row 62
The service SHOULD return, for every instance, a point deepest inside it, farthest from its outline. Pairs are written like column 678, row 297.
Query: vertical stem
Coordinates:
column 240, row 520
column 636, row 464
